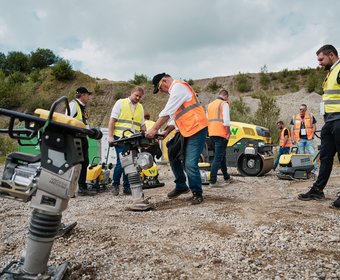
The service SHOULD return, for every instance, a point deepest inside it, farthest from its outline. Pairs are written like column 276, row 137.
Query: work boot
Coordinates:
column 312, row 194
column 228, row 181
column 197, row 198
column 216, row 185
column 84, row 190
column 115, row 190
column 127, row 191
column 336, row 204
column 176, row 192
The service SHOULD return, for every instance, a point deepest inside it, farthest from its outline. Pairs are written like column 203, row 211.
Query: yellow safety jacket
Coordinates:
column 149, row 124
column 215, row 118
column 331, row 91
column 128, row 119
column 282, row 139
column 308, row 121
column 81, row 114
column 190, row 117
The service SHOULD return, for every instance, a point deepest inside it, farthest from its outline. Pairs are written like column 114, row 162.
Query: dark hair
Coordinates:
column 327, row 49
column 223, row 92
column 147, row 116
column 280, row 122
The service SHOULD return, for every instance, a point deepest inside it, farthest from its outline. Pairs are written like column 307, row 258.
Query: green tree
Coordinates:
column 139, row 79
column 264, row 77
column 2, row 61
column 62, row 70
column 17, row 61
column 42, row 58
column 267, row 114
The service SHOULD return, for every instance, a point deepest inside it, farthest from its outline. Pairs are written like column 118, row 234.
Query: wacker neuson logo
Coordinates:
column 57, row 183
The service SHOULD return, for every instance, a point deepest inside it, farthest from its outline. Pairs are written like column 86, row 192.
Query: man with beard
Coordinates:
column 328, row 58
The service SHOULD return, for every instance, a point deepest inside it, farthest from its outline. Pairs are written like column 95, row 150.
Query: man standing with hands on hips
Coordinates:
column 184, row 108
column 328, row 58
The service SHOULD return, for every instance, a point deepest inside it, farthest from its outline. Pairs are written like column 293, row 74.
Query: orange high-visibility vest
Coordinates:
column 282, row 139
column 215, row 118
column 190, row 116
column 308, row 120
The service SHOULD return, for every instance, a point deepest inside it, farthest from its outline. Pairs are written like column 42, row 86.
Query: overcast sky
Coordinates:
column 189, row 39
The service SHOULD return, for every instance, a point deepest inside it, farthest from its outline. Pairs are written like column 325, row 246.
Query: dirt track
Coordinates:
column 255, row 228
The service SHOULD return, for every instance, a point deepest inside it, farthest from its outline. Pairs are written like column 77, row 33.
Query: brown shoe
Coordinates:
column 176, row 192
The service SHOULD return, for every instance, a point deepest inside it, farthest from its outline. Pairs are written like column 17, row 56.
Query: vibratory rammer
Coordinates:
column 48, row 184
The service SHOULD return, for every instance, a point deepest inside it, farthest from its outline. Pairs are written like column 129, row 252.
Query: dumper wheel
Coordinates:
column 250, row 165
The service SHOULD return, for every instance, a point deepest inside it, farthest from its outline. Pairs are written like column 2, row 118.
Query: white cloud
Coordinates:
column 190, row 39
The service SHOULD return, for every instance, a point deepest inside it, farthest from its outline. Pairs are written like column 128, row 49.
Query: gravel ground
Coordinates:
column 254, row 228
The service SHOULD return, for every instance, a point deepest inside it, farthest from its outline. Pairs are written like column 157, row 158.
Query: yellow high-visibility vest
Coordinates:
column 331, row 91
column 128, row 119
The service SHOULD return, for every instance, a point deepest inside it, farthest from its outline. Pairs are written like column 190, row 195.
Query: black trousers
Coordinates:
column 85, row 163
column 330, row 144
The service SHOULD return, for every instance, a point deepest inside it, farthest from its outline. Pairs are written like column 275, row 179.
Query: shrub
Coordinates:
column 62, row 71
column 7, row 145
column 267, row 114
column 190, row 82
column 17, row 77
column 213, row 86
column 240, row 112
column 139, row 79
column 264, row 78
column 243, row 83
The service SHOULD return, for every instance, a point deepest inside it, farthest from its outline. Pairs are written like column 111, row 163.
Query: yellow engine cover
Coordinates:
column 285, row 159
column 94, row 172
column 61, row 118
column 151, row 172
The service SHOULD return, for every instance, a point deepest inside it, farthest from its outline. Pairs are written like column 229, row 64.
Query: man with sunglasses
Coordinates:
column 184, row 108
column 302, row 132
column 328, row 58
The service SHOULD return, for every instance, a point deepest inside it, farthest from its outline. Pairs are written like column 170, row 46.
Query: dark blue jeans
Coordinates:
column 282, row 151
column 219, row 161
column 193, row 147
column 118, row 171
column 330, row 144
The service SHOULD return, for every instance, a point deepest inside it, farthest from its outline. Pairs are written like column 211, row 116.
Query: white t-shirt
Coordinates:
column 118, row 106
column 178, row 94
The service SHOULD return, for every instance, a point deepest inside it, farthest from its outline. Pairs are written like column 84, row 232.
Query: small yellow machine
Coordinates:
column 150, row 177
column 98, row 175
column 296, row 166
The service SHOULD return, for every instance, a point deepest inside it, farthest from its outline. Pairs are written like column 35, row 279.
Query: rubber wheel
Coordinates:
column 250, row 165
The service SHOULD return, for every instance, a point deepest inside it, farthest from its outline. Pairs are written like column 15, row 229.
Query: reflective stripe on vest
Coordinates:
column 308, row 121
column 331, row 91
column 126, row 120
column 282, row 139
column 80, row 116
column 190, row 116
column 215, row 118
